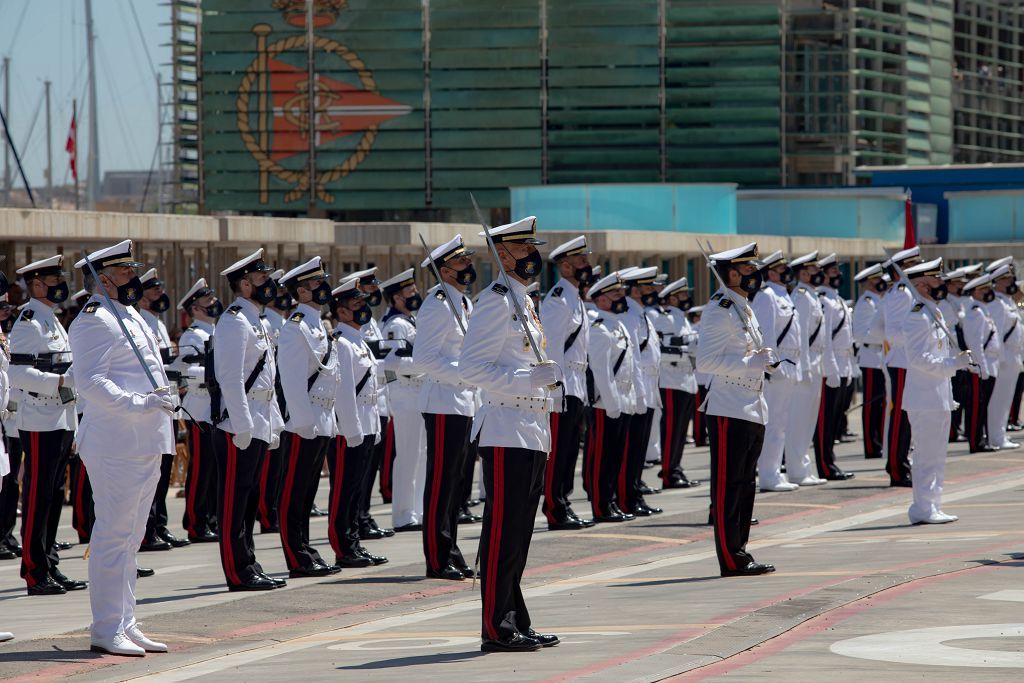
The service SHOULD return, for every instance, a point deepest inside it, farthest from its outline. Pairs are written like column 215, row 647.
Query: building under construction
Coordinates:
column 420, row 102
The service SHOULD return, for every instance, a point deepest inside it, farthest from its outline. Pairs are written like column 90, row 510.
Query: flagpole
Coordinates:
column 74, row 152
column 311, row 102
column 49, row 149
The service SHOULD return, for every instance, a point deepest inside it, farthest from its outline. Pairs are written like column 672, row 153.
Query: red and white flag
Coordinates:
column 71, row 147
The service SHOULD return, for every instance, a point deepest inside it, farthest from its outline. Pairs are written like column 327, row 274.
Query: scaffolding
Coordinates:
column 181, row 157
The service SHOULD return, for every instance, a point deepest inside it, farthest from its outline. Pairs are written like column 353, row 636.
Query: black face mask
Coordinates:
column 880, row 286
column 284, row 302
column 1011, row 289
column 466, row 276
column 160, row 304
column 988, row 297
column 619, row 306
column 413, row 302
column 362, row 315
column 786, row 276
column 751, row 283
column 529, row 266
column 266, row 292
column 939, row 293
column 584, row 275
column 130, row 292
column 649, row 299
column 8, row 324
column 215, row 309
column 686, row 304
column 818, row 279
column 375, row 298
column 4, row 284
column 322, row 294
column 835, row 282
column 58, row 292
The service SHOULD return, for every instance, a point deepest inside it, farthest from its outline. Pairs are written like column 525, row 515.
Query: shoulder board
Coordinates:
column 91, row 307
column 499, row 288
column 557, row 291
column 716, row 296
column 725, row 303
column 297, row 316
column 597, row 321
column 901, row 286
column 917, row 307
column 27, row 315
column 234, row 310
column 821, row 293
column 439, row 295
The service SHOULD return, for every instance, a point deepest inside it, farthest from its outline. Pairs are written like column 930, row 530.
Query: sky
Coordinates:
column 45, row 40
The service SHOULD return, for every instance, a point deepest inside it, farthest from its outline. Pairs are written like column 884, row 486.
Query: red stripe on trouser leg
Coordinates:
column 549, row 472
column 494, row 543
column 388, row 462
column 972, row 430
column 264, row 481
column 226, row 539
column 869, row 445
column 29, row 516
column 80, row 527
column 723, row 430
column 666, row 441
column 821, row 430
column 595, row 478
column 193, row 466
column 286, row 499
column 435, row 492
column 897, row 424
column 339, row 473
column 623, row 505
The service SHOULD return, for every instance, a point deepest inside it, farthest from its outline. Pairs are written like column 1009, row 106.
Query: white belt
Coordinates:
column 624, row 383
column 873, row 347
column 367, row 399
column 323, row 401
column 845, row 351
column 199, row 391
column 44, row 400
column 261, row 395
column 535, row 403
column 754, row 385
column 650, row 370
column 410, row 381
column 578, row 365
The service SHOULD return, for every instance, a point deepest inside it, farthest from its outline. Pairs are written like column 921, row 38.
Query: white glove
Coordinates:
column 544, row 375
column 69, row 379
column 275, row 441
column 242, row 440
column 833, row 381
column 983, row 373
column 155, row 401
column 614, row 414
column 961, row 362
column 307, row 432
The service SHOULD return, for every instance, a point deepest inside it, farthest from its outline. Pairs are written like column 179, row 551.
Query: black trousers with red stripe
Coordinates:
column 960, row 382
column 872, row 415
column 447, row 452
column 10, row 492
column 979, row 391
column 271, row 481
column 42, row 500
column 735, row 447
column 468, row 475
column 238, row 473
column 1018, row 391
column 634, row 456
column 514, row 478
column 898, row 463
column 366, row 521
column 156, row 525
column 303, row 462
column 83, row 512
column 387, row 463
column 349, row 466
column 677, row 407
column 606, row 446
column 825, row 432
column 560, row 469
column 700, row 426
column 200, row 481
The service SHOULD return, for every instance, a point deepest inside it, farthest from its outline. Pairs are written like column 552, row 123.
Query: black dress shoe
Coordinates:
column 645, row 510
column 371, row 534
column 754, row 521
column 7, row 554
column 467, row 572
column 514, row 643
column 467, row 517
column 409, row 527
column 63, row 545
column 256, row 583
column 174, row 540
column 646, row 490
column 545, row 640
column 205, row 537
column 610, row 518
column 752, row 569
column 840, row 476
column 144, row 572
column 278, row 583
column 270, row 529
column 567, row 525
column 616, row 510
column 317, row 512
column 388, row 533
column 448, row 573
column 66, row 583
column 374, row 559
column 149, row 546
column 352, row 562
column 473, row 502
column 877, row 456
column 315, row 571
column 905, row 483
column 47, row 587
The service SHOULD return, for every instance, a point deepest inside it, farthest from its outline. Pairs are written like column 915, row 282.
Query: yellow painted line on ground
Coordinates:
column 848, row 538
column 555, row 628
column 799, row 505
column 634, row 537
column 989, row 505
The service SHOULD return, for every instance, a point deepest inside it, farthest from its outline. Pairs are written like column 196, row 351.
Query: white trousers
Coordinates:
column 778, row 394
column 931, row 430
column 805, row 399
column 122, row 487
column 654, row 443
column 999, row 404
column 410, row 467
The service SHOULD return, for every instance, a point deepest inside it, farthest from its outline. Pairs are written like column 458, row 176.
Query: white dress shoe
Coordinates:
column 136, row 635
column 949, row 518
column 935, row 518
column 1009, row 444
column 120, row 644
column 811, row 480
column 781, row 486
column 5, row 636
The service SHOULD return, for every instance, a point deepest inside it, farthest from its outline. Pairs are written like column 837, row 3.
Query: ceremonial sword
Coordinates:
column 904, row 280
column 444, row 287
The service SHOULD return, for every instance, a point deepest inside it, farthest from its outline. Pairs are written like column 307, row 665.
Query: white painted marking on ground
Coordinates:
column 1006, row 595
column 927, row 646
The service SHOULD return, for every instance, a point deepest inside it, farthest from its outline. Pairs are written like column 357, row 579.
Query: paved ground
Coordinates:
column 858, row 594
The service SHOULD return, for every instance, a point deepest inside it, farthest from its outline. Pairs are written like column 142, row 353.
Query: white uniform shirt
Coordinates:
column 1004, row 312
column 780, row 328
column 108, row 374
column 897, row 303
column 37, row 331
column 5, row 395
column 812, row 325
column 497, row 357
column 676, row 368
column 982, row 339
column 726, row 353
column 275, row 320
column 191, row 343
column 837, row 359
column 302, row 351
column 239, row 342
column 163, row 339
column 869, row 331
column 371, row 332
column 930, row 361
column 400, row 327
column 609, row 342
column 436, row 355
column 355, row 404
column 563, row 315
column 647, row 363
